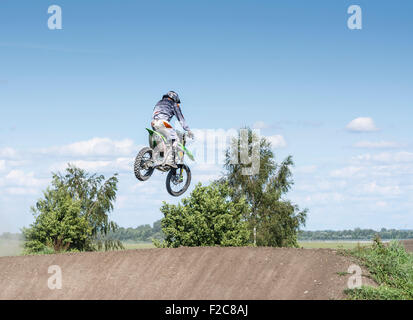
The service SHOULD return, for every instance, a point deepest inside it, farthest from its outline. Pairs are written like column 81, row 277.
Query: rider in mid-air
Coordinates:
column 163, row 112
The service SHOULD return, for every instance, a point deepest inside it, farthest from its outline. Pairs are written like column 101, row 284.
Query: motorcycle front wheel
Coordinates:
column 178, row 180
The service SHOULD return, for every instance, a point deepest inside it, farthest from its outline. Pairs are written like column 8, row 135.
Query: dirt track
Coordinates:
column 408, row 244
column 184, row 273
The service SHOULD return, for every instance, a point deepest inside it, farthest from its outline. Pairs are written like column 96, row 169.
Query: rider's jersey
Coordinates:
column 165, row 109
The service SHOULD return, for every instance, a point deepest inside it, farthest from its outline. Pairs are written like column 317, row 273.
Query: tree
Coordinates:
column 138, row 234
column 59, row 225
column 207, row 217
column 74, row 213
column 276, row 220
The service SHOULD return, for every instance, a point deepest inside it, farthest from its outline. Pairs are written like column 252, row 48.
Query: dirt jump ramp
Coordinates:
column 408, row 244
column 182, row 273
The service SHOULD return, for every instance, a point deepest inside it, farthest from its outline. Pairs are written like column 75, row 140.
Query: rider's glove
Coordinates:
column 190, row 134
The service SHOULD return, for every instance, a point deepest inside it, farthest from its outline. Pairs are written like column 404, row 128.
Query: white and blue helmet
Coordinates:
column 173, row 95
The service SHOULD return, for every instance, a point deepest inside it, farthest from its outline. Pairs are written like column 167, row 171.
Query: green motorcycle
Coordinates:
column 155, row 157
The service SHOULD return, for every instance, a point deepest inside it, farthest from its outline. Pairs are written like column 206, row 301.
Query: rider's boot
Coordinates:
column 171, row 159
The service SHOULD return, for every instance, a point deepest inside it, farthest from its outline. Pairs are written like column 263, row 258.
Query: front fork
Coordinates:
column 178, row 174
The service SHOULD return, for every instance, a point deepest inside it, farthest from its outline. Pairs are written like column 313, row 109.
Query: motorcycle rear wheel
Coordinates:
column 143, row 173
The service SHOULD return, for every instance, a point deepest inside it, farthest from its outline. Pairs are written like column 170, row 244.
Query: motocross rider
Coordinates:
column 163, row 112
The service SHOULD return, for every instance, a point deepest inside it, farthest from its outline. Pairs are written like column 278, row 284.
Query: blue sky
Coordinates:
column 340, row 101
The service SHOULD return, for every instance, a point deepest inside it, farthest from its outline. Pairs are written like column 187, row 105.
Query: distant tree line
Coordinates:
column 356, row 234
column 146, row 233
column 142, row 233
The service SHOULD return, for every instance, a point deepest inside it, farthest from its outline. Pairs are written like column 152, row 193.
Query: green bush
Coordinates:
column 59, row 225
column 391, row 266
column 207, row 217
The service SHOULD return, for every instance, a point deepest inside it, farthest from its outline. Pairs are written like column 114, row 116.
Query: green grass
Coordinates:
column 141, row 245
column 332, row 244
column 391, row 267
column 304, row 244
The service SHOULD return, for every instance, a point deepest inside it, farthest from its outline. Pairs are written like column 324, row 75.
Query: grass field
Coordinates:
column 303, row 244
column 332, row 244
column 142, row 245
column 14, row 247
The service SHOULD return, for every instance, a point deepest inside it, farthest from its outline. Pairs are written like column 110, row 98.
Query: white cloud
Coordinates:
column 377, row 145
column 206, row 178
column 95, row 147
column 305, row 169
column 260, row 125
column 19, row 191
column 368, row 171
column 385, row 157
column 323, row 184
column 21, row 179
column 381, row 204
column 7, row 152
column 277, row 141
column 374, row 188
column 118, row 164
column 17, row 183
column 323, row 198
column 206, row 167
column 12, row 164
column 17, row 163
column 125, row 164
column 82, row 164
column 345, row 172
column 374, row 182
column 145, row 189
column 362, row 124
column 210, row 144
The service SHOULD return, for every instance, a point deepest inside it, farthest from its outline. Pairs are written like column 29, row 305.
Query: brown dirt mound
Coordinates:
column 183, row 273
column 408, row 244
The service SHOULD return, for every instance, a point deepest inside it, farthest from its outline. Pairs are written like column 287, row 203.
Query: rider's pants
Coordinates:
column 165, row 128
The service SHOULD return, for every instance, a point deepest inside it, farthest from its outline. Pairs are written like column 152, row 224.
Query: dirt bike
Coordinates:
column 155, row 157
